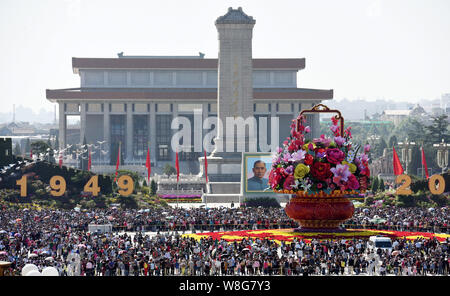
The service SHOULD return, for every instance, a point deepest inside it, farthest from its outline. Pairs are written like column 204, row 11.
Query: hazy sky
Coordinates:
column 396, row 49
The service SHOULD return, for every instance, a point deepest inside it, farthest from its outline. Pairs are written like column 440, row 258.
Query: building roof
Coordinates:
column 54, row 95
column 177, row 63
column 397, row 112
column 235, row 16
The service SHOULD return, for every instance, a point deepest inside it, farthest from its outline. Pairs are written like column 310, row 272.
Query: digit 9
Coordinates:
column 126, row 185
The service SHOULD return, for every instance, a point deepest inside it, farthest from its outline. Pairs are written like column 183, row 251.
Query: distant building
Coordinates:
column 396, row 116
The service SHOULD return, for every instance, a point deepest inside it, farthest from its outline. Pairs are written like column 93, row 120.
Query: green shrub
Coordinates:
column 265, row 202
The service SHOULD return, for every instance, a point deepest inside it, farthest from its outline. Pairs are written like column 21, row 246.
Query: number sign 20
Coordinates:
column 404, row 189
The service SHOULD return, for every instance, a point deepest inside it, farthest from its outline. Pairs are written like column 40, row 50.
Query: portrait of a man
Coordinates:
column 258, row 182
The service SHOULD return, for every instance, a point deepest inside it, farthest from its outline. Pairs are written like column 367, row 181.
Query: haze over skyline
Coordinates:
column 368, row 49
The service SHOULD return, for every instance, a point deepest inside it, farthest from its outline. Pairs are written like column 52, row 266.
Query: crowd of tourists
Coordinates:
column 152, row 243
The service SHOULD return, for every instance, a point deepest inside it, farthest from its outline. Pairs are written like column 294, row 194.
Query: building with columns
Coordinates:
column 133, row 100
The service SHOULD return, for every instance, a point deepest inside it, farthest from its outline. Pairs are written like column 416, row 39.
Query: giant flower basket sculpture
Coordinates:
column 320, row 173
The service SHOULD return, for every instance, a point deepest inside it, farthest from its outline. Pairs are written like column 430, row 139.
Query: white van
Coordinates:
column 379, row 242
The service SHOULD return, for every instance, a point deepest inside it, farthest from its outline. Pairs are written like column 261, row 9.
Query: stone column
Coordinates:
column 152, row 136
column 82, row 121
column 62, row 126
column 235, row 70
column 129, row 133
column 106, row 132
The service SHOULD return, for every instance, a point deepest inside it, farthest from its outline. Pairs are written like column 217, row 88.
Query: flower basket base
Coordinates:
column 320, row 214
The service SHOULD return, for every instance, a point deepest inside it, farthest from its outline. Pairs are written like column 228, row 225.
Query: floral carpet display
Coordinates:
column 279, row 235
column 320, row 173
column 181, row 198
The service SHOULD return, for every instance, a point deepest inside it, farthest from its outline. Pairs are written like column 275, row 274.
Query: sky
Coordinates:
column 368, row 49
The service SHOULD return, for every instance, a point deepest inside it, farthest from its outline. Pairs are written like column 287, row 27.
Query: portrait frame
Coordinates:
column 248, row 159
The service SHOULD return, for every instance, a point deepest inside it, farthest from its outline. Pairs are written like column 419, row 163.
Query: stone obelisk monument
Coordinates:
column 234, row 96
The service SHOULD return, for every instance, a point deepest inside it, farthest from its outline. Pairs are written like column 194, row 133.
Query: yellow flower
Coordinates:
column 300, row 171
column 351, row 166
column 305, row 146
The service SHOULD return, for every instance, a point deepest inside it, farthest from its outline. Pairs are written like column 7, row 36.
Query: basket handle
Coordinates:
column 321, row 108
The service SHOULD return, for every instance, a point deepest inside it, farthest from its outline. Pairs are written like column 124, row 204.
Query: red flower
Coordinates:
column 319, row 150
column 290, row 180
column 352, row 182
column 363, row 183
column 335, row 155
column 309, row 159
column 321, row 170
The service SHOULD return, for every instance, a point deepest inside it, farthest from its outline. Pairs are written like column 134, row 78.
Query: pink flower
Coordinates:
column 341, row 173
column 339, row 140
column 307, row 129
column 366, row 148
column 335, row 155
column 322, row 140
column 334, row 128
column 286, row 157
column 298, row 155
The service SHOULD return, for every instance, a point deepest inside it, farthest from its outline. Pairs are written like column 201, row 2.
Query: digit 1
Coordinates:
column 23, row 186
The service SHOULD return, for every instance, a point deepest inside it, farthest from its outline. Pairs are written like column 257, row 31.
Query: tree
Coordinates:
column 56, row 143
column 27, row 147
column 375, row 184
column 153, row 187
column 393, row 141
column 39, row 147
column 381, row 185
column 17, row 150
column 416, row 160
column 169, row 170
column 438, row 130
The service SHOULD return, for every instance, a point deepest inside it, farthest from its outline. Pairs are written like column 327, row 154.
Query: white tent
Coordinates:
column 102, row 228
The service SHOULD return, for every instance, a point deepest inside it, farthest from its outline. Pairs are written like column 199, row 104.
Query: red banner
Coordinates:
column 148, row 165
column 177, row 166
column 424, row 163
column 206, row 168
column 398, row 169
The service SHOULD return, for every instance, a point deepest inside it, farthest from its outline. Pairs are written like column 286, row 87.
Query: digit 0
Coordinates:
column 432, row 184
column 404, row 188
column 126, row 185
column 58, row 184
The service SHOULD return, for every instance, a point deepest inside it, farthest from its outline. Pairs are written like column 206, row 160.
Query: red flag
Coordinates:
column 117, row 163
column 60, row 159
column 31, row 153
column 148, row 165
column 398, row 169
column 89, row 161
column 424, row 163
column 177, row 166
column 206, row 168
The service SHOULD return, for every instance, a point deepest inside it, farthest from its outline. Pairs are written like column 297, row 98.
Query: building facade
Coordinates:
column 133, row 100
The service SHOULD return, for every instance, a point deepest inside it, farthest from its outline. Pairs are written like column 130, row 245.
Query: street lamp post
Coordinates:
column 406, row 152
column 442, row 155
